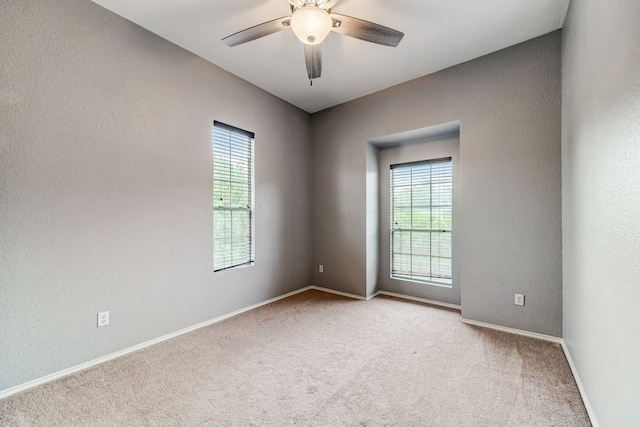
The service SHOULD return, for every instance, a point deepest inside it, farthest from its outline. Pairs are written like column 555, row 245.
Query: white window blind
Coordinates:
column 233, row 197
column 421, row 216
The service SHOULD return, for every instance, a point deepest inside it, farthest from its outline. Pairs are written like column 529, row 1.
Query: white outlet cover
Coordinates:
column 519, row 300
column 103, row 318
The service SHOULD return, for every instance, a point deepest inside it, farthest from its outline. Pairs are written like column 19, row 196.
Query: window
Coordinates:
column 233, row 197
column 421, row 207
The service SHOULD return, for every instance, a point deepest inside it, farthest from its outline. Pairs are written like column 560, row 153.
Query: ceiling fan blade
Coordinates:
column 258, row 31
column 313, row 58
column 326, row 4
column 365, row 30
column 297, row 3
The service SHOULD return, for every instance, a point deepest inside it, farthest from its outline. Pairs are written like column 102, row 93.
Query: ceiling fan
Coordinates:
column 311, row 21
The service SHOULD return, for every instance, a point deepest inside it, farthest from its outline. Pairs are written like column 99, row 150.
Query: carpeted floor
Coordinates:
column 317, row 359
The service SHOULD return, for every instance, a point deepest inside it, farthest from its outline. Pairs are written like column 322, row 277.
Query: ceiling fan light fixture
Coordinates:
column 311, row 24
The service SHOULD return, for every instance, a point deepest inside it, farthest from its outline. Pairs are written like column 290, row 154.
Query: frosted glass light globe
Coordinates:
column 311, row 24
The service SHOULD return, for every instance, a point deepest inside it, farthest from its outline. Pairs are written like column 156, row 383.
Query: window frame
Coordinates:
column 223, row 212
column 433, row 275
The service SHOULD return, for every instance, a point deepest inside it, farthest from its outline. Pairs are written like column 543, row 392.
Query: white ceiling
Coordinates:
column 438, row 34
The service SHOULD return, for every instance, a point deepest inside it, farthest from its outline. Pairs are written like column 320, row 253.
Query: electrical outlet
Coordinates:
column 103, row 318
column 519, row 299
column 321, row 268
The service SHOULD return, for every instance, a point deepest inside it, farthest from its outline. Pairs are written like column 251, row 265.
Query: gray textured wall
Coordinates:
column 105, row 187
column 508, row 105
column 373, row 220
column 434, row 148
column 601, row 203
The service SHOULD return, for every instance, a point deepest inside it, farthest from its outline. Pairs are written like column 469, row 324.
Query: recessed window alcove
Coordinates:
column 432, row 142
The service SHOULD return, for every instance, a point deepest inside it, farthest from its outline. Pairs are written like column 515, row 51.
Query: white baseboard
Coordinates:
column 581, row 389
column 513, row 331
column 387, row 293
column 565, row 349
column 72, row 370
column 426, row 301
column 331, row 291
column 65, row 372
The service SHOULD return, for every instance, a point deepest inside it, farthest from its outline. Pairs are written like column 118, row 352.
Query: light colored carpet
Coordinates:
column 317, row 359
